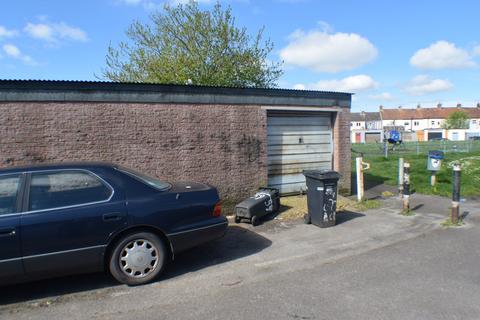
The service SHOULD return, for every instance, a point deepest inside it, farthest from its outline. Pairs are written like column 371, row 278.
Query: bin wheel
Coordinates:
column 255, row 221
column 307, row 218
column 237, row 219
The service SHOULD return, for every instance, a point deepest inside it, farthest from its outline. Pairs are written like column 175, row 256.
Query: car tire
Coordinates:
column 255, row 221
column 138, row 258
column 237, row 219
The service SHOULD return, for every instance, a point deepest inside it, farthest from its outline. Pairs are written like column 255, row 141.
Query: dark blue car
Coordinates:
column 86, row 217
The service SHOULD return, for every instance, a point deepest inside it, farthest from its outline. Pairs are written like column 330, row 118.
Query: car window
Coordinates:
column 8, row 193
column 65, row 188
column 151, row 181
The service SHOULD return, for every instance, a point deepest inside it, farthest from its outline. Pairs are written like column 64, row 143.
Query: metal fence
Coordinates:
column 415, row 147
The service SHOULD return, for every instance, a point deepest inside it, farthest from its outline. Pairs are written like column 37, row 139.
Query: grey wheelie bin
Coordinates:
column 321, row 197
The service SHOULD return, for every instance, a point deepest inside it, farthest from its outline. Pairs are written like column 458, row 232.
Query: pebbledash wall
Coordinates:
column 210, row 134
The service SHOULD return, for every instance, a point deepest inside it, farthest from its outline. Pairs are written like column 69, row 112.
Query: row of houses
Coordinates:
column 419, row 124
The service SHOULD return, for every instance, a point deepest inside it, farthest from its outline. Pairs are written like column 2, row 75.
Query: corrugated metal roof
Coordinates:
column 32, row 84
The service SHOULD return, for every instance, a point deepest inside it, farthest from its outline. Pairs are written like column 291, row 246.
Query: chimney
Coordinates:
column 439, row 105
column 459, row 105
column 381, row 107
column 418, row 106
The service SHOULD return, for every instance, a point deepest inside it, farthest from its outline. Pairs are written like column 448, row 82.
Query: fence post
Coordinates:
column 400, row 176
column 406, row 187
column 456, row 193
column 360, row 186
column 385, row 148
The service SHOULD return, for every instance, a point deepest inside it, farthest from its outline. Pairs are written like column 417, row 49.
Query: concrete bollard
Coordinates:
column 406, row 187
column 360, row 185
column 400, row 176
column 456, row 193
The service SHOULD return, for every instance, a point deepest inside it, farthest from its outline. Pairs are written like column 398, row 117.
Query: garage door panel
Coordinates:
column 300, row 121
column 298, row 149
column 299, row 139
column 279, row 169
column 299, row 158
column 289, row 183
column 297, row 130
column 296, row 143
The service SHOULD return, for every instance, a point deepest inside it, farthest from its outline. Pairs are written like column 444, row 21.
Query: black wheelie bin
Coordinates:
column 321, row 197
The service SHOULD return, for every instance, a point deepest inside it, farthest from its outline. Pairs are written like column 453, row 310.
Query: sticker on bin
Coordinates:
column 319, row 188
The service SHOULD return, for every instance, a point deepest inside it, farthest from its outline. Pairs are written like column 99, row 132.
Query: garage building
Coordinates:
column 237, row 139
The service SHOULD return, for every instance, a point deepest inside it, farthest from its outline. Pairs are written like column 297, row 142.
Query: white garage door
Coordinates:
column 297, row 141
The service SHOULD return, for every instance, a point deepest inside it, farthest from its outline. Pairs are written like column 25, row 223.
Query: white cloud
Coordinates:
column 442, row 55
column 11, row 50
column 476, row 51
column 325, row 52
column 299, row 86
column 354, row 84
column 14, row 52
column 55, row 32
column 384, row 96
column 7, row 33
column 423, row 84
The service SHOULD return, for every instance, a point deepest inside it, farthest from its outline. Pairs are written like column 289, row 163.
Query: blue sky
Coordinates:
column 386, row 52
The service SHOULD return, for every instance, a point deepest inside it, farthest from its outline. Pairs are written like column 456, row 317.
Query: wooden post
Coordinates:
column 406, row 187
column 360, row 186
column 456, row 193
column 400, row 176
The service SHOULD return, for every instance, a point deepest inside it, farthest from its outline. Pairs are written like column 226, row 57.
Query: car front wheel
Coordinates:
column 138, row 258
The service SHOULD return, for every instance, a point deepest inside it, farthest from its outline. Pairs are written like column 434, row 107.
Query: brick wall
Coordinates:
column 342, row 148
column 224, row 145
column 218, row 144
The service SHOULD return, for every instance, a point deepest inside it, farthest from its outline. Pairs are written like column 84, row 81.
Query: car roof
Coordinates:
column 59, row 165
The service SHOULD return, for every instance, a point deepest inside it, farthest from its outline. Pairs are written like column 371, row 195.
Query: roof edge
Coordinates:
column 103, row 91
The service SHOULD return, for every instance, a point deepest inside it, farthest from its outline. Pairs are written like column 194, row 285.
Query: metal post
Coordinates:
column 433, row 179
column 400, row 176
column 360, row 186
column 385, row 148
column 406, row 187
column 456, row 193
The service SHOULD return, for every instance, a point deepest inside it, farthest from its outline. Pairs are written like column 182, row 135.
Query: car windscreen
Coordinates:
column 151, row 181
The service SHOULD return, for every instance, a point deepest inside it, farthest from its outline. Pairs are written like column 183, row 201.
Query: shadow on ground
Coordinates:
column 236, row 244
column 345, row 216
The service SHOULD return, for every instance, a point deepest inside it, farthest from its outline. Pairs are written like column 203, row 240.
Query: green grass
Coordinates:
column 448, row 223
column 386, row 171
column 367, row 204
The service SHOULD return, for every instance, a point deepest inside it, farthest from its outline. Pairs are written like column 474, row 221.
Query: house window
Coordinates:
column 474, row 121
column 406, row 123
column 433, row 123
column 416, row 123
column 358, row 124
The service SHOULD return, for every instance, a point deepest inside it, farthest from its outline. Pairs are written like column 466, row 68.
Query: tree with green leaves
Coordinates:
column 456, row 120
column 184, row 44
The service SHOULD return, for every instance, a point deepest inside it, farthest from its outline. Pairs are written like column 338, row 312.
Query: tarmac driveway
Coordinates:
column 244, row 257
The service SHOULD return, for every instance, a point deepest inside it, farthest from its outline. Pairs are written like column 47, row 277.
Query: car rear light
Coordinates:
column 217, row 210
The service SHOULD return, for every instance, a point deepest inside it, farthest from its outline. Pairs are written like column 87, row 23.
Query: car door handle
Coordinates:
column 113, row 216
column 9, row 232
